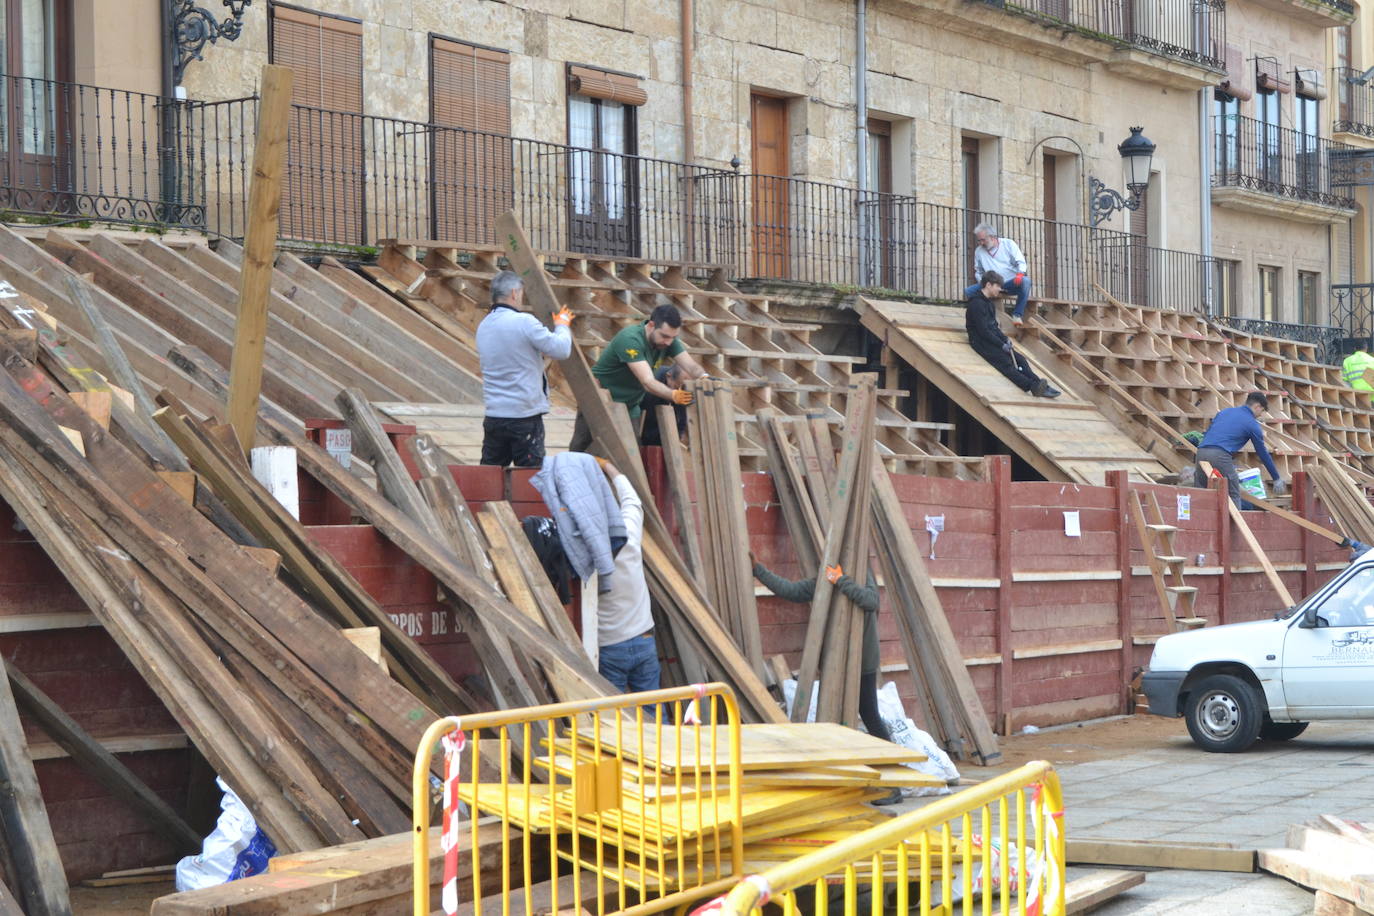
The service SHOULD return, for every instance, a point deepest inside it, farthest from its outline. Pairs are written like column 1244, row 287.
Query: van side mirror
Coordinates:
column 1309, row 619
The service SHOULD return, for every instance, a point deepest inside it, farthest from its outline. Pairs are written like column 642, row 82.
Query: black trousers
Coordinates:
column 868, row 707
column 510, row 441
column 1014, row 366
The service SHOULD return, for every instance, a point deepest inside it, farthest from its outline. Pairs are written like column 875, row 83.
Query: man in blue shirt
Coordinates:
column 1230, row 430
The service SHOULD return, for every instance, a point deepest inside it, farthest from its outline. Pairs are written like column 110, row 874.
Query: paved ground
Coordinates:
column 1146, row 780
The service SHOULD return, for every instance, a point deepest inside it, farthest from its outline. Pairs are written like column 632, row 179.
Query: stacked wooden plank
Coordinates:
column 1332, row 856
column 771, row 363
column 1346, row 500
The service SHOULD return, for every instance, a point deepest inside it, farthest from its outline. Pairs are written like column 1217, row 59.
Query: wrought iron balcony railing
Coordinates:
column 1354, row 98
column 1189, row 30
column 1277, row 160
column 77, row 153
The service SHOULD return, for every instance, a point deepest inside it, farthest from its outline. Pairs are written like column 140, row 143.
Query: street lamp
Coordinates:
column 1138, row 151
column 192, row 28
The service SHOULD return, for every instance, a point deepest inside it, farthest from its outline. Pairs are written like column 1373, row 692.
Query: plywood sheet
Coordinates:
column 792, row 745
column 1066, row 438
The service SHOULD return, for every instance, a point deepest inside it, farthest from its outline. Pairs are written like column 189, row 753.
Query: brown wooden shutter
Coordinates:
column 598, row 84
column 324, row 175
column 469, row 103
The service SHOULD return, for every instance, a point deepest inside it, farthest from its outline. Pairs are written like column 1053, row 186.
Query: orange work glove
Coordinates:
column 563, row 317
column 1018, row 278
column 682, row 397
column 833, row 573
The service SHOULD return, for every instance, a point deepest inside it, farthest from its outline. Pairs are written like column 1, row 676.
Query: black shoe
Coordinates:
column 890, row 798
column 1049, row 392
column 1038, row 389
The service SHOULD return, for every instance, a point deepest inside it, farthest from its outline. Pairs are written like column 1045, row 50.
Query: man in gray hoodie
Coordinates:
column 511, row 345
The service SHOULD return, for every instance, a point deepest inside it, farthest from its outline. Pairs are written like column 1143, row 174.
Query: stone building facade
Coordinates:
column 1006, row 108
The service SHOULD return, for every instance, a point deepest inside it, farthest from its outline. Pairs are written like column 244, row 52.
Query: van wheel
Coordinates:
column 1224, row 714
column 1281, row 731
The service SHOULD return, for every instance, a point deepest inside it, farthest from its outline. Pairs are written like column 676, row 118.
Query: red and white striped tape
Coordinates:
column 453, row 743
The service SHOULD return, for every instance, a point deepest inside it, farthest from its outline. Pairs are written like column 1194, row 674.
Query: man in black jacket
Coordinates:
column 988, row 341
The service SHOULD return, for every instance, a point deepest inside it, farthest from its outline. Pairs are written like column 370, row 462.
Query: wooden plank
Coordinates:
column 373, row 445
column 1253, row 543
column 370, row 876
column 103, row 765
column 1153, row 854
column 676, row 466
column 28, row 835
column 264, row 204
column 1076, row 648
column 323, row 577
column 670, row 581
column 1082, row 894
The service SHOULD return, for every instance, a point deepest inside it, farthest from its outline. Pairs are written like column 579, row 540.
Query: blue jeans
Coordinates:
column 1022, row 290
column 632, row 665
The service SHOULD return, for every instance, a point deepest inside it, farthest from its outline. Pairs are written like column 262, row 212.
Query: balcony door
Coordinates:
column 325, row 193
column 470, row 146
column 770, row 139
column 603, row 192
column 36, row 42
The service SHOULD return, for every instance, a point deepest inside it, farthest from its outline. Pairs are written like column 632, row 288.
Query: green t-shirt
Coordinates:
column 612, row 369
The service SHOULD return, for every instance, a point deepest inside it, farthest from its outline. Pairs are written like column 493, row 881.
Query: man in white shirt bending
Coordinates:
column 1005, row 258
column 628, row 655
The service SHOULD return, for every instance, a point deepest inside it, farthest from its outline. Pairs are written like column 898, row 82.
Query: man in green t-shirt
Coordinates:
column 626, row 367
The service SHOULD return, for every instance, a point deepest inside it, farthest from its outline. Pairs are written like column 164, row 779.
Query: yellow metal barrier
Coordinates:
column 625, row 804
column 969, row 853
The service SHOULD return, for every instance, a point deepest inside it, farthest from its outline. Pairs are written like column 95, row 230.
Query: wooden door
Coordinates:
column 325, row 193
column 770, row 139
column 972, row 204
column 38, row 143
column 470, row 146
column 1048, row 281
column 880, row 209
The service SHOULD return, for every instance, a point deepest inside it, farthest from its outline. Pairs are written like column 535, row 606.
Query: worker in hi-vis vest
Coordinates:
column 1354, row 367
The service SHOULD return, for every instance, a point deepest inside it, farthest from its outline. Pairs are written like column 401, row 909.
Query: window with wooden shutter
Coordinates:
column 323, row 199
column 471, row 150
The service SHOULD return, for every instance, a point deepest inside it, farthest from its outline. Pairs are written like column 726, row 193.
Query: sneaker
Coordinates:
column 1018, row 320
column 1049, row 392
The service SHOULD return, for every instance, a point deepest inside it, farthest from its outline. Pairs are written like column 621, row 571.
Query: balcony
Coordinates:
column 1354, row 103
column 1352, row 309
column 1317, row 13
column 1275, row 171
column 1174, row 43
column 1326, row 338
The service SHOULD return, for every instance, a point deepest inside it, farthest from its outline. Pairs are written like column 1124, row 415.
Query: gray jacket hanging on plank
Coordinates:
column 590, row 525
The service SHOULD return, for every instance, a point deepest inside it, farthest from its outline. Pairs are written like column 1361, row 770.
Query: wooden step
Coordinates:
column 1181, row 589
column 1171, row 560
column 1191, row 623
column 1163, row 529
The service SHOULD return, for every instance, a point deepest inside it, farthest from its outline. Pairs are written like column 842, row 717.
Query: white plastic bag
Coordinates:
column 905, row 733
column 235, row 849
column 789, row 690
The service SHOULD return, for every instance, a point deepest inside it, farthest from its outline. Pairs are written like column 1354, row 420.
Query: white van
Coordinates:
column 1267, row 679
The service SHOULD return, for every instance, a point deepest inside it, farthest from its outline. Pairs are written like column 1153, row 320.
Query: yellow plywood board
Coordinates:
column 791, row 745
column 1066, row 438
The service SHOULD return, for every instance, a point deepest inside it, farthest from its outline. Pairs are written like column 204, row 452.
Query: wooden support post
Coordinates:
column 1120, row 482
column 1303, row 506
column 1219, row 487
column 260, row 239
column 92, row 756
column 28, row 835
column 999, row 473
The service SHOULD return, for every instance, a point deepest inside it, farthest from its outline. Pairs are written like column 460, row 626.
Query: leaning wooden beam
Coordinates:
column 670, row 581
column 28, row 834
column 1157, row 854
column 105, row 767
column 928, row 613
column 260, row 238
column 323, row 577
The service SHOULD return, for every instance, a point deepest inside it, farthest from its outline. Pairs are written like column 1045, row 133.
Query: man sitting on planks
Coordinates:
column 866, row 599
column 627, row 652
column 626, row 367
column 988, row 341
column 1231, row 428
column 511, row 346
